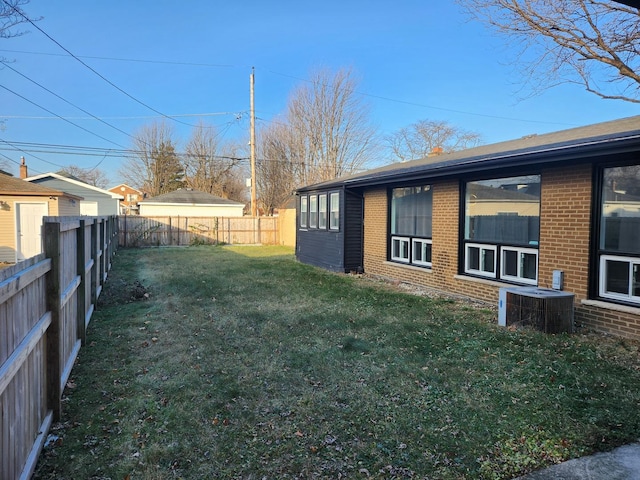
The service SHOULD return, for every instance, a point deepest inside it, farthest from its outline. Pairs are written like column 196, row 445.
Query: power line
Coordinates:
column 16, row 10
column 137, row 60
column 379, row 97
column 62, row 118
column 66, row 101
column 128, row 117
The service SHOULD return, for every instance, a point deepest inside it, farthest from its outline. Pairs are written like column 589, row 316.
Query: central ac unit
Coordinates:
column 550, row 311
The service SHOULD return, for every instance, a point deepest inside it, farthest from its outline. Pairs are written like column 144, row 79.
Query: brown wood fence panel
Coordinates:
column 24, row 319
column 137, row 231
column 46, row 303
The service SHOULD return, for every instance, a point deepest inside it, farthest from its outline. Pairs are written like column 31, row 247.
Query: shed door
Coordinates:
column 29, row 229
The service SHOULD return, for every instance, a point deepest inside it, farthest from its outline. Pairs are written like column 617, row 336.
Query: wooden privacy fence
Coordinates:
column 46, row 303
column 137, row 231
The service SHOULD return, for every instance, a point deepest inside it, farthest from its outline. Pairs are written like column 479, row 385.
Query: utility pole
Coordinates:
column 254, row 210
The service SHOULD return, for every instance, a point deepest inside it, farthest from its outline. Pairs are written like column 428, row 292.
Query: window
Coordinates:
column 411, row 218
column 322, row 211
column 304, row 211
column 519, row 264
column 481, row 259
column 334, row 211
column 618, row 244
column 502, row 228
column 313, row 211
column 400, row 249
column 421, row 252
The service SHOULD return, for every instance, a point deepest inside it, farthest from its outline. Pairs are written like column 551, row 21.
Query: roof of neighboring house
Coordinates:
column 16, row 186
column 74, row 181
column 187, row 196
column 576, row 144
column 117, row 188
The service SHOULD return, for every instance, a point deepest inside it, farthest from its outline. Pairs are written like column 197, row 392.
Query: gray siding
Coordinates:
column 106, row 204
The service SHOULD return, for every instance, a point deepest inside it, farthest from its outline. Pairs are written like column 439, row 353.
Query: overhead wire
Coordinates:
column 60, row 117
column 306, row 80
column 19, row 12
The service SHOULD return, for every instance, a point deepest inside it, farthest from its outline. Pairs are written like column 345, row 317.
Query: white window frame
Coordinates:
column 482, row 247
column 313, row 211
column 520, row 252
column 334, row 202
column 401, row 241
column 322, row 211
column 629, row 297
column 419, row 244
column 304, row 211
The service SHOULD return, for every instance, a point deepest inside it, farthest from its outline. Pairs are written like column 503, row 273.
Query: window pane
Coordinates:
column 473, row 258
column 313, row 211
column 505, row 210
column 617, row 277
column 427, row 252
column 510, row 262
column 303, row 211
column 621, row 210
column 636, row 280
column 322, row 211
column 529, row 266
column 334, row 220
column 488, row 260
column 411, row 209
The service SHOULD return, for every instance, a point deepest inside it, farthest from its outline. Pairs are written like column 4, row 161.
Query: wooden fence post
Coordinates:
column 81, row 263
column 52, row 251
column 95, row 268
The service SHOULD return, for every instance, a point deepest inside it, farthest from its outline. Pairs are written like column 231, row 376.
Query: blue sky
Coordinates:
column 415, row 60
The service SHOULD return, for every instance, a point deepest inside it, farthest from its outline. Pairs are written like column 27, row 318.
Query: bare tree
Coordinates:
column 11, row 15
column 92, row 176
column 155, row 168
column 330, row 132
column 589, row 42
column 427, row 137
column 276, row 167
column 206, row 167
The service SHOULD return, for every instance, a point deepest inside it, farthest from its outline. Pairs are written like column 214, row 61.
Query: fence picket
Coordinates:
column 46, row 303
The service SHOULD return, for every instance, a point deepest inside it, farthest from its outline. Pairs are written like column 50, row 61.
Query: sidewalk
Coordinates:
column 623, row 463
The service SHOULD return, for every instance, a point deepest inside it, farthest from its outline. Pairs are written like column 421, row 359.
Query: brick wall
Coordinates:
column 565, row 215
column 566, row 199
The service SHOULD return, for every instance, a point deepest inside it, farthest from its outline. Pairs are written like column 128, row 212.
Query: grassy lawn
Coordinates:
column 242, row 363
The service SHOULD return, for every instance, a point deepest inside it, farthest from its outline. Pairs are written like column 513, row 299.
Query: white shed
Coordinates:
column 186, row 202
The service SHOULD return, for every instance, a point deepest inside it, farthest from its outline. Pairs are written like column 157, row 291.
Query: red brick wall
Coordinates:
column 564, row 245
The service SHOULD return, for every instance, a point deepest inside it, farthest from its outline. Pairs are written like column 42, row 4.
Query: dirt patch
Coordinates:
column 428, row 292
column 121, row 291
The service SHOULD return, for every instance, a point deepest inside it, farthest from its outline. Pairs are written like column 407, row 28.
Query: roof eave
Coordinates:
column 582, row 153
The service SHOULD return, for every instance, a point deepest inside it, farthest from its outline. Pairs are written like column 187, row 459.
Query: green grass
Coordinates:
column 246, row 364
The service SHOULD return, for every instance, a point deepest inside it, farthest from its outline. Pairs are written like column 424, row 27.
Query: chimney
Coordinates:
column 436, row 151
column 23, row 169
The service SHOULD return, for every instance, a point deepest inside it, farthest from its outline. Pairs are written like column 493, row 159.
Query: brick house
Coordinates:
column 507, row 214
column 131, row 197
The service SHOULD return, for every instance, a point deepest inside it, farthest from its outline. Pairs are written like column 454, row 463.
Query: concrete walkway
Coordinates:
column 623, row 463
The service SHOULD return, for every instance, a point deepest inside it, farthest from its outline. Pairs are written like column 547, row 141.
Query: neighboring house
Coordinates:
column 186, row 202
column 22, row 206
column 96, row 202
column 499, row 215
column 131, row 197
